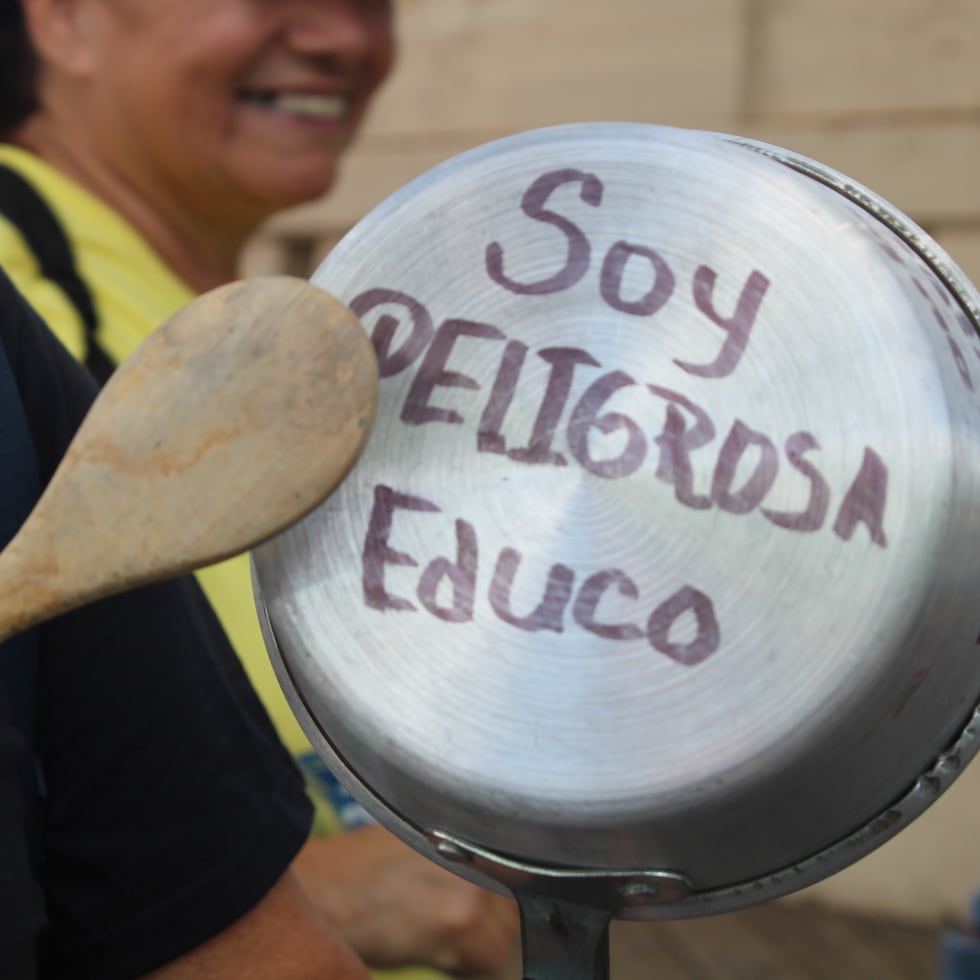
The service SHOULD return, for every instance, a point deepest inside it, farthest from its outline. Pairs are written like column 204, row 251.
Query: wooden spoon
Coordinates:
column 230, row 422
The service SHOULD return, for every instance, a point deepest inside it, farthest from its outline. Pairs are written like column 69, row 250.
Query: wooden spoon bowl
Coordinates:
column 231, row 421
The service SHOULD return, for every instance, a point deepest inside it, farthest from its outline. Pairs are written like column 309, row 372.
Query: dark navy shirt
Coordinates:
column 169, row 807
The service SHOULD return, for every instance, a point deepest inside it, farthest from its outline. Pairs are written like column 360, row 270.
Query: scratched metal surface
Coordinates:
column 663, row 552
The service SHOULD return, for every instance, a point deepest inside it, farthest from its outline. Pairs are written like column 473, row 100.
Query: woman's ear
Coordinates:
column 58, row 31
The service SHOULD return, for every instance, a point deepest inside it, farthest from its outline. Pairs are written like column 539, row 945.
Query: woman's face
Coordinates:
column 229, row 102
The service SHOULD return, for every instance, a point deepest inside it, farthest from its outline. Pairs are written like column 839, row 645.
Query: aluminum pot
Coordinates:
column 655, row 588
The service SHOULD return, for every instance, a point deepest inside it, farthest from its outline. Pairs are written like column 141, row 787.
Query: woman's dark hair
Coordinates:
column 18, row 69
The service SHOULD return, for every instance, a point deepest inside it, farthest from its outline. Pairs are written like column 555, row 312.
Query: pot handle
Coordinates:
column 562, row 940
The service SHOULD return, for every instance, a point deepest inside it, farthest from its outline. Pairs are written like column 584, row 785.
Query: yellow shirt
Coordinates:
column 134, row 291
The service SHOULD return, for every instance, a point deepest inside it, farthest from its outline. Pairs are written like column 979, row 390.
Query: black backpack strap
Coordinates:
column 34, row 219
column 19, row 490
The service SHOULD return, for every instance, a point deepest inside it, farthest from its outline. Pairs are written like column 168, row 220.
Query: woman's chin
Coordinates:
column 291, row 189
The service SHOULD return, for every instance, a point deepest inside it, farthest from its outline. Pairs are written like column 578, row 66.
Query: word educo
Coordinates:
column 460, row 574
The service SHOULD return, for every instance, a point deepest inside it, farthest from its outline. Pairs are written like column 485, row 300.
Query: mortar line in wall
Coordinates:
column 751, row 74
column 935, row 117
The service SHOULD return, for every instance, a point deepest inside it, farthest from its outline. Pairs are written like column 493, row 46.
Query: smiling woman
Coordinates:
column 196, row 122
column 148, row 140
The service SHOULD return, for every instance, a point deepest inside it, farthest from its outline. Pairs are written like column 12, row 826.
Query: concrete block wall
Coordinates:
column 886, row 91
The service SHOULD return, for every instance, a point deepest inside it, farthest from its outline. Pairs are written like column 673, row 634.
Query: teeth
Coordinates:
column 304, row 104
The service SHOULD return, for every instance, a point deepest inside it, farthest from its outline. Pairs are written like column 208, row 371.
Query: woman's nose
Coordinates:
column 351, row 30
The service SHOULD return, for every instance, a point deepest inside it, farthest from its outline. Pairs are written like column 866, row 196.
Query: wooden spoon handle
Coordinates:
column 230, row 422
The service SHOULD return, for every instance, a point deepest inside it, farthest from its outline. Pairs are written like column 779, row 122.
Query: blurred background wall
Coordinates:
column 886, row 91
